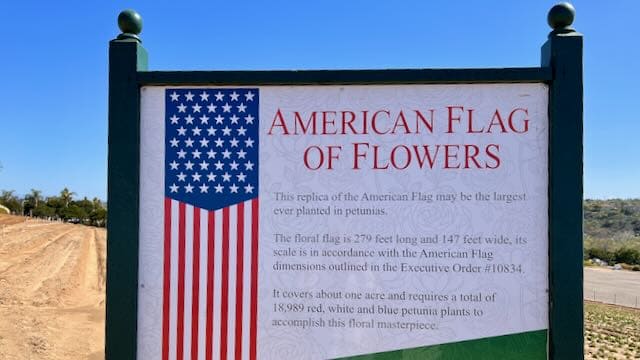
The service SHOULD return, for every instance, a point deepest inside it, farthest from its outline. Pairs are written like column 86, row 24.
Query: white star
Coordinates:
column 196, row 177
column 174, row 142
column 219, row 142
column 204, row 188
column 196, row 108
column 212, row 108
column 233, row 188
column 174, row 97
column 234, row 142
column 174, row 119
column 219, row 188
column 204, row 143
column 219, row 119
column 188, row 188
column 174, row 188
column 196, row 131
column 211, row 177
column 226, row 154
column 241, row 177
column 226, row 131
column 204, row 96
column 242, row 107
column 248, row 165
column 182, row 108
column 181, row 154
column 218, row 165
column 189, row 119
column 211, row 131
column 182, row 176
column 219, row 96
column 234, row 119
column 189, row 165
column 211, row 154
column 226, row 107
column 248, row 142
column 196, row 154
column 241, row 131
column 234, row 96
column 241, row 154
column 249, row 119
column 204, row 119
column 182, row 131
column 189, row 142
column 226, row 177
column 249, row 96
column 234, row 165
column 204, row 165
column 248, row 189
column 174, row 165
column 189, row 96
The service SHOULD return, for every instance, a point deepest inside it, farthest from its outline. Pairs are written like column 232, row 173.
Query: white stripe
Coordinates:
column 233, row 251
column 246, row 285
column 188, row 280
column 173, row 295
column 217, row 240
column 202, row 305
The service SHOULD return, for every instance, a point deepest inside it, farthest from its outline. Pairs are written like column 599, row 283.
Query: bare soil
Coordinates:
column 52, row 280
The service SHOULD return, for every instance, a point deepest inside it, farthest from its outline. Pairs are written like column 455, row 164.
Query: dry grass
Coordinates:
column 611, row 332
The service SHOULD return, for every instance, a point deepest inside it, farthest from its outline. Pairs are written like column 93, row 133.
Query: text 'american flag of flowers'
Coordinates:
column 210, row 224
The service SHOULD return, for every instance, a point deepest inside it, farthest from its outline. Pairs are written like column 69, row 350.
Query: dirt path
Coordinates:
column 619, row 287
column 52, row 279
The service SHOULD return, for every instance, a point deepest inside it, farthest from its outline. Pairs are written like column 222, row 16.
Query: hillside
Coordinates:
column 612, row 219
column 52, row 279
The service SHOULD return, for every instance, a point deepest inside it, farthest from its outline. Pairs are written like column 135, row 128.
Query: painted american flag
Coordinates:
column 210, row 224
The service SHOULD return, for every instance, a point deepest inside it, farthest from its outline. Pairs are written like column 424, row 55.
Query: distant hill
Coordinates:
column 612, row 231
column 612, row 219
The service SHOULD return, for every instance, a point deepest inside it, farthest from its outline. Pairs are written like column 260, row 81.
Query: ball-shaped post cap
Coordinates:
column 130, row 22
column 561, row 16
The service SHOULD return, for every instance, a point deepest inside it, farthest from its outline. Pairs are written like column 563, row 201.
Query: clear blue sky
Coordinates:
column 53, row 67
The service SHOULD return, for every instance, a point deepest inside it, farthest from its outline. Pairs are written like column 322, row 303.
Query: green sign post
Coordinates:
column 141, row 290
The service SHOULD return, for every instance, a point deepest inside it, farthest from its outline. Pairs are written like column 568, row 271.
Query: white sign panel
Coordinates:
column 317, row 222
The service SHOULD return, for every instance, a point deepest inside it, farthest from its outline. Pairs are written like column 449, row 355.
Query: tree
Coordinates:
column 97, row 204
column 66, row 196
column 44, row 211
column 36, row 197
column 73, row 213
column 8, row 199
column 32, row 201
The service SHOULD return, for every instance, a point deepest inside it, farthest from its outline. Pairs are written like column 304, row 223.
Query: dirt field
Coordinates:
column 52, row 279
column 611, row 332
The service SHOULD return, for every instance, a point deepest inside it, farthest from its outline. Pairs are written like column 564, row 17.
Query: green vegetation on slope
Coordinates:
column 612, row 230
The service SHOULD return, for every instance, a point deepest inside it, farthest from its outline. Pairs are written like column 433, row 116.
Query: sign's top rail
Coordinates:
column 347, row 77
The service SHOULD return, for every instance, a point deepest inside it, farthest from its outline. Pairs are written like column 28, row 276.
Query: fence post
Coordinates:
column 563, row 54
column 126, row 58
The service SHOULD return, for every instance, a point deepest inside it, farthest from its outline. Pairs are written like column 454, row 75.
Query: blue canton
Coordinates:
column 211, row 146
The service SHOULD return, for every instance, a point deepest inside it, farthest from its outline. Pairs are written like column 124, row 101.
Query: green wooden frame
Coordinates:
column 561, row 69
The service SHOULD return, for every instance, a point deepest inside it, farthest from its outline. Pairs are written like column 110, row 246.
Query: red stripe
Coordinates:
column 210, row 273
column 225, row 284
column 195, row 284
column 166, row 287
column 181, row 251
column 239, row 272
column 254, row 280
